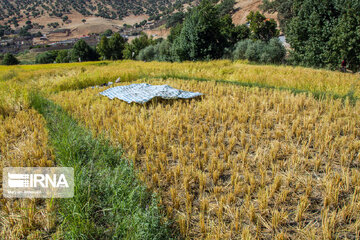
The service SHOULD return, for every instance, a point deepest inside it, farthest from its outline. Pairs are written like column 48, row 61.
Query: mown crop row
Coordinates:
column 240, row 162
column 23, row 143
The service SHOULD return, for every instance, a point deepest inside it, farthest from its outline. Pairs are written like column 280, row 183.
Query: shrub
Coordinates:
column 260, row 51
column 255, row 50
column 276, row 50
column 108, row 33
column 10, row 59
column 240, row 49
column 147, row 54
column 158, row 52
column 46, row 57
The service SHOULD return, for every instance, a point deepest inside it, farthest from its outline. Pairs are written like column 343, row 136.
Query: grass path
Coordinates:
column 109, row 201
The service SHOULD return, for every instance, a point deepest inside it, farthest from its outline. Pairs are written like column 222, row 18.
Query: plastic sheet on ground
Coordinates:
column 143, row 92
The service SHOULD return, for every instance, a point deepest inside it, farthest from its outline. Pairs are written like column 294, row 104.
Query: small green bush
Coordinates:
column 255, row 50
column 158, row 52
column 260, row 51
column 46, row 57
column 147, row 54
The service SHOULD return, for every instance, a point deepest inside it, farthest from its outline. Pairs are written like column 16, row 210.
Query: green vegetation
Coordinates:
column 46, row 57
column 53, row 25
column 133, row 49
column 259, row 51
column 158, row 52
column 109, row 202
column 283, row 8
column 82, row 52
column 103, row 48
column 10, row 59
column 262, row 29
column 321, row 34
column 5, row 30
column 111, row 48
column 175, row 19
column 14, row 10
column 63, row 56
column 205, row 34
column 108, row 33
column 27, row 57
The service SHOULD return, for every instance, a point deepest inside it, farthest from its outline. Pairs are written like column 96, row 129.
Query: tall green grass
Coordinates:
column 109, row 200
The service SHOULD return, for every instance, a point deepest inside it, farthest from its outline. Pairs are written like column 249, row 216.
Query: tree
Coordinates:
column 345, row 38
column 310, row 31
column 174, row 33
column 283, row 8
column 103, row 48
column 129, row 51
column 117, row 46
column 84, row 20
column 132, row 50
column 65, row 18
column 10, row 59
column 63, row 56
column 108, row 33
column 232, row 33
column 175, row 19
column 262, row 28
column 200, row 36
column 24, row 32
column 38, row 34
column 83, row 52
column 226, row 7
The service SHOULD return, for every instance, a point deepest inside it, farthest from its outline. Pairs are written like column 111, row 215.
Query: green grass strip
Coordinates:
column 109, row 202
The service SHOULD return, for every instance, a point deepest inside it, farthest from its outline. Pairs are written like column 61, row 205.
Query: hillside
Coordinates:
column 111, row 9
column 101, row 14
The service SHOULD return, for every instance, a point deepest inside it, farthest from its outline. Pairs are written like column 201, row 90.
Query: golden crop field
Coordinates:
column 60, row 77
column 23, row 143
column 259, row 156
column 239, row 163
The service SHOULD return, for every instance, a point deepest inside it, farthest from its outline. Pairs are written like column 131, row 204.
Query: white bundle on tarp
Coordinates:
column 143, row 92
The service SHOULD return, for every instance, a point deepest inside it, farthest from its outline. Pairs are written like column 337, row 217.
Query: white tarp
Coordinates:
column 143, row 92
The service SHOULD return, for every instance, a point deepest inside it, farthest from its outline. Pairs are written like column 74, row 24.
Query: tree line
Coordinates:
column 321, row 33
column 206, row 32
